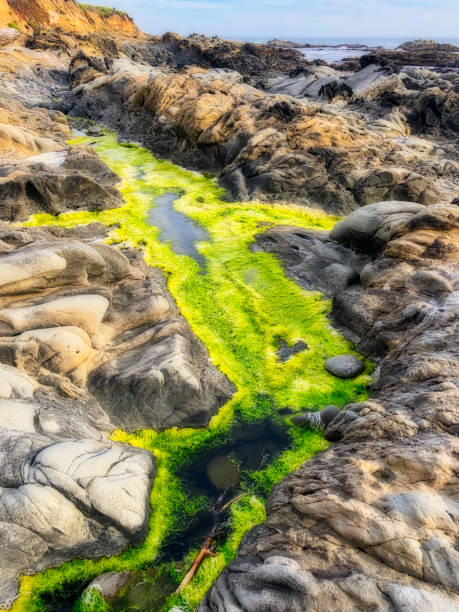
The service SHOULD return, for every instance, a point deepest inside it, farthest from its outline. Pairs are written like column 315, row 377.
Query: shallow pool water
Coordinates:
column 178, row 229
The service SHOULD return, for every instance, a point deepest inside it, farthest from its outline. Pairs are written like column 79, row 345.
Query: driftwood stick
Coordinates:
column 206, row 550
column 202, row 554
column 232, row 501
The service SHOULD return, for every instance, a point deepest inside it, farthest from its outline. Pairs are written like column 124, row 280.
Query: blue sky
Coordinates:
column 351, row 19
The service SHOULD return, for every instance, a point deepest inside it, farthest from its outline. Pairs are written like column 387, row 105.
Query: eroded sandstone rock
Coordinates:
column 69, row 180
column 125, row 328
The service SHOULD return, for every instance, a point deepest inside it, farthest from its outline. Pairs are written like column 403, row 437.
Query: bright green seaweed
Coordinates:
column 239, row 308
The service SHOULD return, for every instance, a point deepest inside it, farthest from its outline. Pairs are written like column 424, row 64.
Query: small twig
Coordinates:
column 232, row 501
column 206, row 550
column 202, row 554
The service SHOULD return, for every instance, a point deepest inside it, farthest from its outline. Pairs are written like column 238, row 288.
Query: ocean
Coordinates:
column 336, row 55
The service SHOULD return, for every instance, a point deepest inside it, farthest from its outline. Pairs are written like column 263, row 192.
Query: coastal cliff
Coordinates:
column 67, row 15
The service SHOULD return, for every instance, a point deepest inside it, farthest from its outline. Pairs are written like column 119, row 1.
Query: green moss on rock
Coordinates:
column 239, row 308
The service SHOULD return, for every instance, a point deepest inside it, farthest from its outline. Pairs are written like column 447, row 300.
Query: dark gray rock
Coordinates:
column 57, row 182
column 345, row 366
column 316, row 419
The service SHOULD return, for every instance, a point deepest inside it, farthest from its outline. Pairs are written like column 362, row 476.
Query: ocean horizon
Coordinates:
column 320, row 48
column 318, row 41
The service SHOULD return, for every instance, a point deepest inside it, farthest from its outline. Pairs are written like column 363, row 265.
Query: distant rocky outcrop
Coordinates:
column 251, row 60
column 428, row 54
column 264, row 146
column 286, row 44
column 421, row 45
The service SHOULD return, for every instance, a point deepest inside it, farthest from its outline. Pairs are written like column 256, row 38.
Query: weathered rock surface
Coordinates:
column 81, row 324
column 62, row 495
column 371, row 524
column 265, row 146
column 339, row 156
column 57, row 182
column 328, row 83
column 85, row 314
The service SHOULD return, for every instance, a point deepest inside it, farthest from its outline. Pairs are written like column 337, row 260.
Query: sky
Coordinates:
column 347, row 19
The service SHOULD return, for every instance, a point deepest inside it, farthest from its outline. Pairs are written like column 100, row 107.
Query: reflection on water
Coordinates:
column 180, row 230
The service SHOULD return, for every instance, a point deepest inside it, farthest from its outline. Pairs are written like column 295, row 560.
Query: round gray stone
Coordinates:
column 223, row 473
column 345, row 366
column 110, row 584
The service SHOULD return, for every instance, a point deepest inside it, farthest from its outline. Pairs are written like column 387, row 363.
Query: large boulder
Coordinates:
column 371, row 227
column 54, row 183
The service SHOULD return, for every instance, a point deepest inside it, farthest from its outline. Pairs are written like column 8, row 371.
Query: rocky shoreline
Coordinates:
column 92, row 339
column 369, row 523
column 415, row 54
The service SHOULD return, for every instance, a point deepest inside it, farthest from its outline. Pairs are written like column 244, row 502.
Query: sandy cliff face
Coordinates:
column 68, row 15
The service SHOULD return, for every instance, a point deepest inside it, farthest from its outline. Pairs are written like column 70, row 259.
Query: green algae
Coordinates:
column 104, row 11
column 239, row 308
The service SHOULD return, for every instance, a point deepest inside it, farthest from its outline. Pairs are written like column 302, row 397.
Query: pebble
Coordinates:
column 345, row 366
